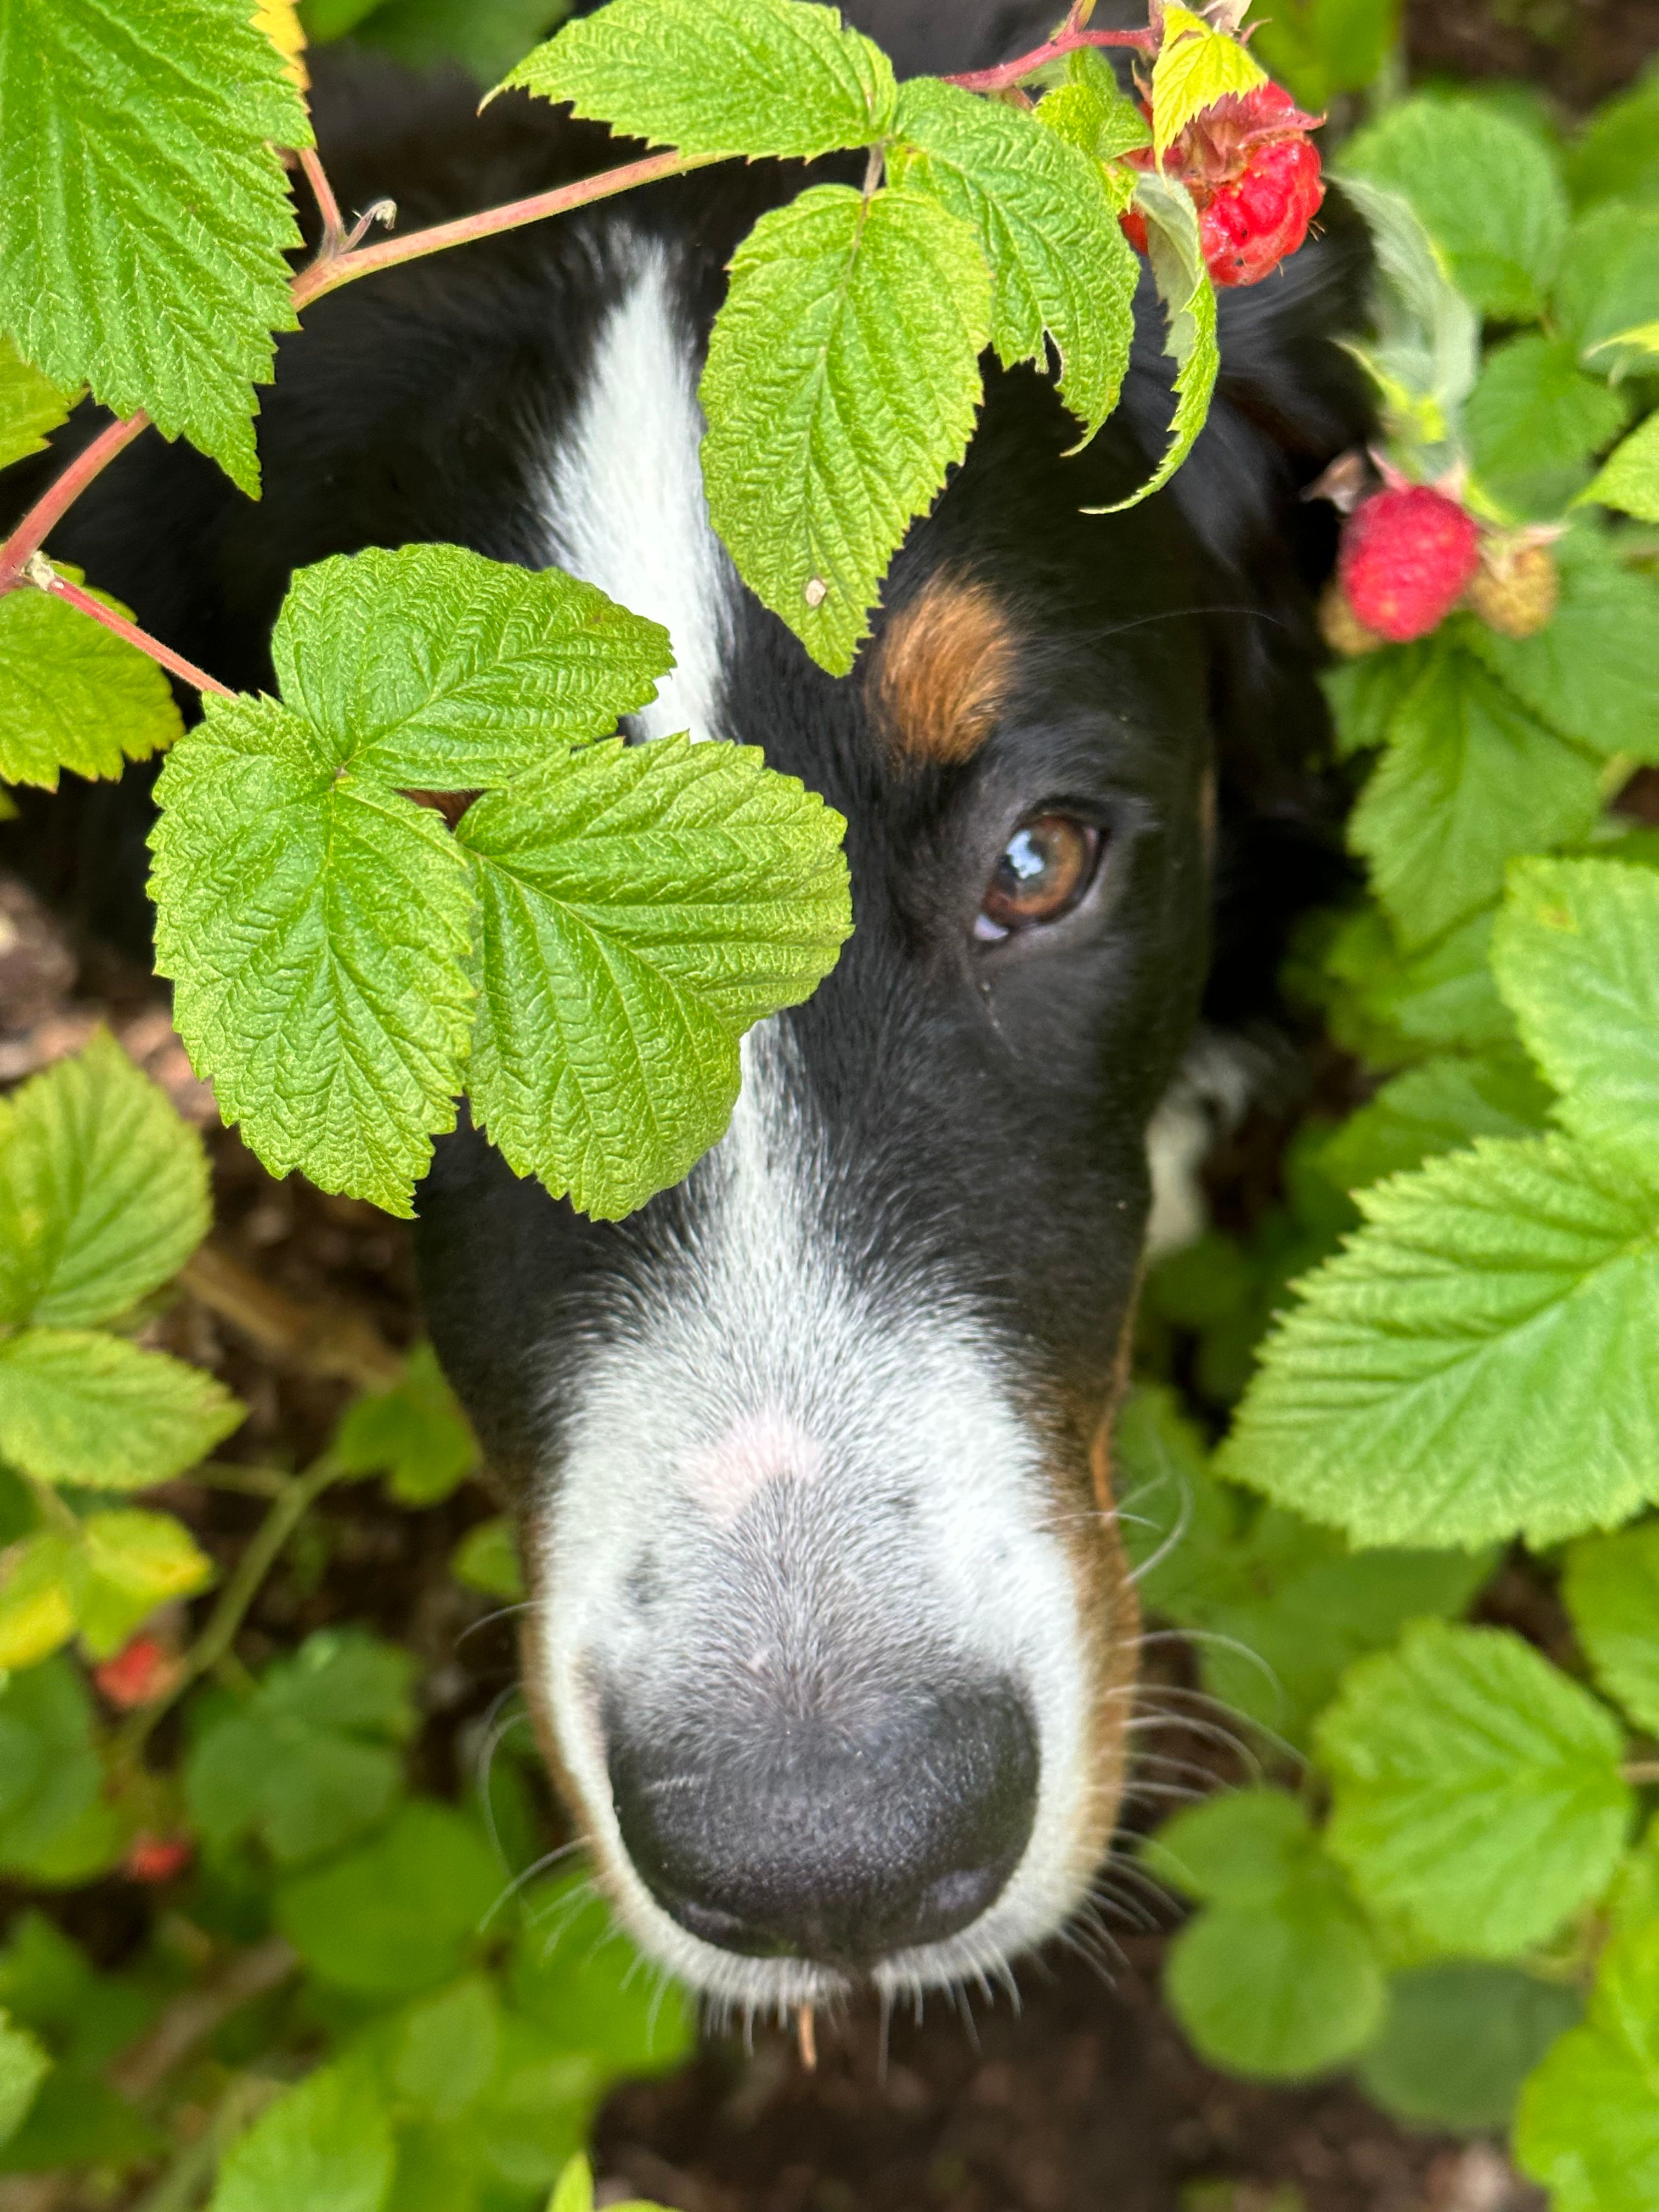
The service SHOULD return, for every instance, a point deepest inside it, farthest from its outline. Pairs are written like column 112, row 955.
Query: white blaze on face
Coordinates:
column 817, row 1478
column 812, row 1472
column 625, row 506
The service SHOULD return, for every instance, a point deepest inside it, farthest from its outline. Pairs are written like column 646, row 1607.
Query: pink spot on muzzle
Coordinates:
column 758, row 1449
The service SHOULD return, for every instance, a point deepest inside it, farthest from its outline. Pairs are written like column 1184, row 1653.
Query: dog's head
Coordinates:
column 831, row 1640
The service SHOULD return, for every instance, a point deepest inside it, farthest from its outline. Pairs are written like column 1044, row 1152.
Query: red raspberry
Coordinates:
column 140, row 1671
column 156, row 1859
column 1254, row 178
column 1408, row 554
column 1250, row 227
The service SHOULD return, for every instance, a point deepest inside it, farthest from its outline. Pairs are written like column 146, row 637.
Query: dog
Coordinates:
column 832, row 1643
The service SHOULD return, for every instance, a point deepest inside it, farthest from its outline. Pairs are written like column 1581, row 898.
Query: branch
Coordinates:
column 328, row 272
column 327, row 206
column 287, row 1511
column 39, row 571
column 31, row 532
column 326, row 1340
column 192, row 2018
column 1008, row 74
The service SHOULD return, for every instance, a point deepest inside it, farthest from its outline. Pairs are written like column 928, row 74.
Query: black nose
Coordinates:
column 840, row 1838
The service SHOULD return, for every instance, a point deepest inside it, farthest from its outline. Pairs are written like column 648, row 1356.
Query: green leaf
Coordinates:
column 443, row 2051
column 39, row 1598
column 1630, row 478
column 51, row 1775
column 414, row 1431
column 1183, row 285
column 326, row 2145
column 103, row 1190
column 1626, row 350
column 316, row 925
column 1282, row 1608
column 1618, row 157
column 1469, row 778
column 311, row 1760
column 1091, row 111
column 1425, row 357
column 487, row 1559
column 578, row 1977
column 1458, row 2042
column 716, row 77
column 841, row 384
column 1474, row 1362
column 75, row 2120
column 1535, row 419
column 144, row 217
column 1244, row 1847
column 23, row 2066
column 1059, row 262
column 641, row 907
column 1195, row 67
column 1589, row 2124
column 1476, row 1790
column 1279, row 1977
column 79, row 1406
column 1609, row 278
column 395, row 1916
column 1612, row 1591
column 430, row 667
column 31, row 406
column 1487, row 190
column 1589, row 672
column 72, row 693
column 574, row 2192
column 1389, row 1006
column 134, row 1562
column 1319, row 47
column 484, row 36
column 1577, row 955
column 1440, row 1107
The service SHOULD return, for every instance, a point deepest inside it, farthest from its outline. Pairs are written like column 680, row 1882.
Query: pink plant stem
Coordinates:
column 61, row 588
column 322, row 192
column 329, row 272
column 1008, row 74
column 47, row 511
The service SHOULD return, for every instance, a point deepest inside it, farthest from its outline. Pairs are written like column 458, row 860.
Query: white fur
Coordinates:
column 770, row 1340
column 1209, row 1097
column 625, row 506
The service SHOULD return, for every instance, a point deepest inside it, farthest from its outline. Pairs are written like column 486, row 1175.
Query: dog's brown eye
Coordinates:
column 1046, row 868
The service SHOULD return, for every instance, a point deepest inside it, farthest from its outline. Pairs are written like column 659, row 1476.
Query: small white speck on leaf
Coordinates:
column 816, row 591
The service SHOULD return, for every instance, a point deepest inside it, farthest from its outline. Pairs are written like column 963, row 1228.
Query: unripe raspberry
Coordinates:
column 1515, row 593
column 1340, row 628
column 1408, row 557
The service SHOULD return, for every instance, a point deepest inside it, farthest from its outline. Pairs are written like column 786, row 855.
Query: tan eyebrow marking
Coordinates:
column 943, row 671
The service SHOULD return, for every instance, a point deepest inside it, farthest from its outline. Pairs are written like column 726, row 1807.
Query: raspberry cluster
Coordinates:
column 1253, row 177
column 1410, row 553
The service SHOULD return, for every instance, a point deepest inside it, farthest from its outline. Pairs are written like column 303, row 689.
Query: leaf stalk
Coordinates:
column 40, row 572
column 1064, row 41
column 299, row 1493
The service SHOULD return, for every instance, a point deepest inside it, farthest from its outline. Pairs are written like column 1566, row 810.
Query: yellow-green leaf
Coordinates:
column 1195, row 67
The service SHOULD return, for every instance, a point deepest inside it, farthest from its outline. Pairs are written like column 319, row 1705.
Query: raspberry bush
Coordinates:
column 1446, row 1878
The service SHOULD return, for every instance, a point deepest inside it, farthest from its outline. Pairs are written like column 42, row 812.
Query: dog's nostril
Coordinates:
column 841, row 1837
